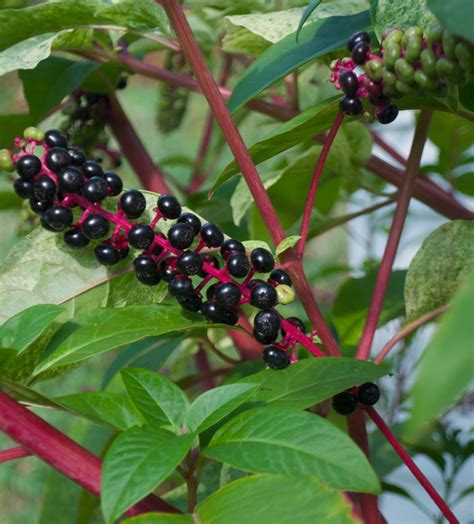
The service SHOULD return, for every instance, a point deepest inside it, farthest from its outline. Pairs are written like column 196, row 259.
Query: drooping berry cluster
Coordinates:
column 408, row 61
column 346, row 401
column 63, row 179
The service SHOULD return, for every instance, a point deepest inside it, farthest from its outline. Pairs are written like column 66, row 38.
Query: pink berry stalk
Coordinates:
column 13, row 453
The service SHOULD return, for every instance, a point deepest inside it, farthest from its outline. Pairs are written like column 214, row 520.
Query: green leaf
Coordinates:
column 51, row 81
column 276, row 62
column 103, row 408
column 27, row 395
column 26, row 54
column 305, row 444
column 12, row 126
column 9, row 200
column 310, row 381
column 274, row 498
column 156, row 397
column 25, row 327
column 456, row 16
column 444, row 260
column 285, row 244
column 214, row 405
column 137, row 462
column 109, row 328
column 160, row 518
column 465, row 184
column 307, row 12
column 445, row 369
column 402, row 14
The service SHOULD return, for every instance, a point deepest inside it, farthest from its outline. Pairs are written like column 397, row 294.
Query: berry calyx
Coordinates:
column 262, row 260
column 368, row 394
column 132, row 203
column 227, row 295
column 28, row 166
column 263, row 296
column 212, row 235
column 169, row 206
column 344, row 403
column 275, row 358
column 107, row 254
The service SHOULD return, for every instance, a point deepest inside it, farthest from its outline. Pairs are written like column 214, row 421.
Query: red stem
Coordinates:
column 388, row 148
column 377, row 419
column 318, row 171
column 39, row 438
column 204, row 368
column 13, row 454
column 403, row 201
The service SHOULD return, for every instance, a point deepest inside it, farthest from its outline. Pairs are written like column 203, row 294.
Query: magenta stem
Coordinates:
column 13, row 453
column 425, row 483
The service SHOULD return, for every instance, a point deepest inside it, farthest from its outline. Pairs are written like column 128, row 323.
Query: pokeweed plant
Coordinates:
column 280, row 432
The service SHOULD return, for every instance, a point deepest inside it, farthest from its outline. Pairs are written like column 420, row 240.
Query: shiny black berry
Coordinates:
column 192, row 304
column 58, row 218
column 91, row 169
column 264, row 339
column 267, row 323
column 37, row 206
column 145, row 266
column 230, row 246
column 344, row 403
column 181, row 236
column 149, row 281
column 70, row 179
column 133, row 203
column 227, row 295
column 168, row 269
column 368, row 394
column 238, row 264
column 212, row 235
column 262, row 260
column 28, row 166
column 263, row 296
column 55, row 138
column 169, row 206
column 107, row 255
column 210, row 291
column 356, row 38
column 297, row 323
column 95, row 189
column 75, row 238
column 141, row 236
column 44, row 189
column 181, row 288
column 57, row 159
column 278, row 276
column 349, row 83
column 360, row 52
column 212, row 312
column 351, row 105
column 388, row 114
column 114, row 183
column 77, row 156
column 192, row 220
column 255, row 282
column 275, row 358
column 189, row 263
column 95, row 227
column 230, row 317
column 23, row 188
column 207, row 258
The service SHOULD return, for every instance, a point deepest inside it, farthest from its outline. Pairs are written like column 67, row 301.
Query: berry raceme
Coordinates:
column 346, row 402
column 55, row 184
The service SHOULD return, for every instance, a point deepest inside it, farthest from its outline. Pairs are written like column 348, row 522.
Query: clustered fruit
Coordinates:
column 408, row 61
column 346, row 402
column 67, row 191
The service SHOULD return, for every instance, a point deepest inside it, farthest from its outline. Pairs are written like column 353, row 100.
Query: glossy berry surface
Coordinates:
column 44, row 189
column 275, row 358
column 141, row 236
column 349, row 83
column 70, row 179
column 181, row 287
column 114, row 183
column 95, row 189
column 57, row 159
column 58, row 218
column 152, row 280
column 75, row 238
column 77, row 156
column 23, row 188
column 351, row 105
column 37, row 206
column 388, row 114
column 145, row 266
column 28, row 166
column 95, row 227
column 212, row 235
column 262, row 260
column 238, row 265
column 231, row 246
column 212, row 312
column 360, row 51
column 55, row 138
column 133, row 203
column 181, row 236
column 193, row 303
column 264, row 339
column 169, row 206
column 267, row 323
column 297, row 323
column 107, row 255
column 227, row 295
column 263, row 296
column 368, row 394
column 344, row 403
column 192, row 220
column 91, row 169
column 189, row 263
column 278, row 276
column 356, row 38
column 168, row 270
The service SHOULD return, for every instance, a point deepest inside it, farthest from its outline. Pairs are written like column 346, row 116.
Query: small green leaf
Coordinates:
column 286, row 244
column 440, row 383
column 310, row 381
column 305, row 444
column 25, row 327
column 156, row 397
column 138, row 461
column 214, row 405
column 444, row 260
column 313, row 4
column 456, row 16
column 26, row 54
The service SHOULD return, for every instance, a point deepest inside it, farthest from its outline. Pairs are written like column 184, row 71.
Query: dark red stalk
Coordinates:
column 403, row 201
column 204, row 369
column 318, row 171
column 427, row 486
column 39, row 438
column 13, row 453
column 388, row 148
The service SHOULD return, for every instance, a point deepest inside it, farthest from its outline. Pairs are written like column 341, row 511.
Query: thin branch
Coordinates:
column 192, row 381
column 204, row 368
column 13, row 453
column 318, row 171
column 219, row 354
column 407, row 330
column 388, row 148
column 403, row 201
column 425, row 483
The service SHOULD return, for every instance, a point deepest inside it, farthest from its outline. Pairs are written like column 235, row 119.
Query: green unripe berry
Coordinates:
column 435, row 33
column 393, row 36
column 404, row 71
column 6, row 162
column 404, row 88
column 374, row 69
column 428, row 62
column 414, row 31
column 424, row 81
column 449, row 44
column 465, row 56
column 333, row 65
column 389, row 78
column 34, row 133
column 450, row 70
column 369, row 117
column 285, row 294
column 390, row 90
column 392, row 53
column 413, row 48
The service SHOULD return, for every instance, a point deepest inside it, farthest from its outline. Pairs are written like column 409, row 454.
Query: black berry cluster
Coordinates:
column 204, row 271
column 346, row 401
column 408, row 61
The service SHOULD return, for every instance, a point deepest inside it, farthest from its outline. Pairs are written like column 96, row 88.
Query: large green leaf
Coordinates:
column 275, row 499
column 316, row 39
column 136, row 463
column 445, row 369
column 441, row 264
column 311, row 381
column 156, row 397
column 294, row 443
column 109, row 328
column 456, row 16
column 11, row 126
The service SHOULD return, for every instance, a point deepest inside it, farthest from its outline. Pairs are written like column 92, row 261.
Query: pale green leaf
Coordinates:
column 456, row 16
column 285, row 244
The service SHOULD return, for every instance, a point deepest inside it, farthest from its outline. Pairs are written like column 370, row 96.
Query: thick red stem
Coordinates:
column 12, row 454
column 427, row 486
column 403, row 201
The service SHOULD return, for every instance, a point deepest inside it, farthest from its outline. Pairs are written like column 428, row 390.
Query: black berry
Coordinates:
column 264, row 339
column 231, row 246
column 212, row 235
column 28, row 166
column 360, row 51
column 227, row 295
column 133, row 203
column 145, row 266
column 230, row 317
column 107, row 255
column 255, row 282
column 351, row 105
column 263, row 296
column 344, row 403
column 275, row 358
column 212, row 312
column 189, row 263
column 23, row 188
column 181, row 236
column 75, row 238
column 55, row 138
column 262, row 260
column 278, row 276
column 349, row 83
column 70, row 179
column 58, row 218
column 57, row 159
column 37, row 206
column 193, row 303
column 95, row 227
column 169, row 206
column 91, row 169
column 149, row 281
column 388, row 114
column 360, row 36
column 181, row 287
column 207, row 258
column 368, row 394
column 95, row 189
column 44, row 189
column 141, row 236
column 77, row 156
column 297, row 323
column 192, row 220
column 267, row 323
column 114, row 183
column 168, row 269
column 238, row 265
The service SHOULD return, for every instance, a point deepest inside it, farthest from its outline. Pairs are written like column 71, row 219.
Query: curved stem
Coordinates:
column 425, row 483
column 403, row 201
column 388, row 148
column 406, row 331
column 13, row 453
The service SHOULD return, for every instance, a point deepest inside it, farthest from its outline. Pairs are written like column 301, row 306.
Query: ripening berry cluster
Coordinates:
column 188, row 258
column 408, row 62
column 346, row 402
